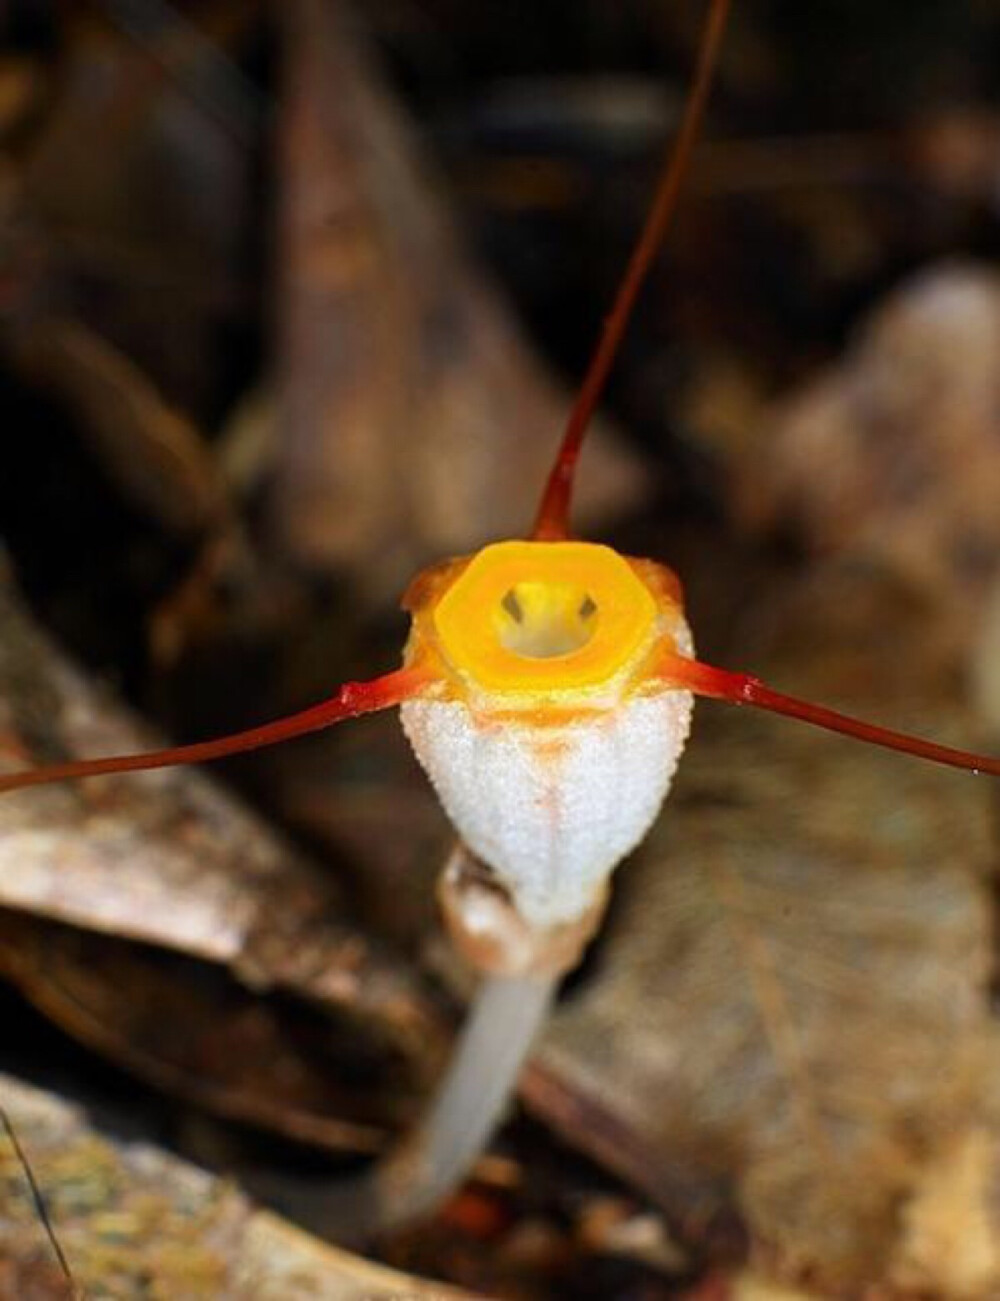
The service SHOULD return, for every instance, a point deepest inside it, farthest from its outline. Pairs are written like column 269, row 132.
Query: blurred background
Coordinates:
column 293, row 300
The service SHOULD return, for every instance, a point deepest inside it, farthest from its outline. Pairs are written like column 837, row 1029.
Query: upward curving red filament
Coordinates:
column 350, row 700
column 743, row 689
column 552, row 520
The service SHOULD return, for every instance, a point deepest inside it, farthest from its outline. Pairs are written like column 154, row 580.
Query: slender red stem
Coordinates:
column 351, row 699
column 742, row 689
column 552, row 520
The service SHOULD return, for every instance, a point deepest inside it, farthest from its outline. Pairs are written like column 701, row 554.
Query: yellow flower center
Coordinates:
column 543, row 616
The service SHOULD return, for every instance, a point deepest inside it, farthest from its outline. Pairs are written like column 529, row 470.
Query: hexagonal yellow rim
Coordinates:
column 472, row 619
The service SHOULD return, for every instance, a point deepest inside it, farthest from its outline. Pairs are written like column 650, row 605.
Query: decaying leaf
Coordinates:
column 415, row 420
column 136, row 1222
column 328, row 1077
column 950, row 1242
column 150, row 449
column 790, row 1017
column 174, row 863
column 132, row 208
column 985, row 662
column 893, row 453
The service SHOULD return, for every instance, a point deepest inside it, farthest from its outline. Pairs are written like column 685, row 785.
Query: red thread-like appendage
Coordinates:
column 743, row 689
column 552, row 520
column 352, row 699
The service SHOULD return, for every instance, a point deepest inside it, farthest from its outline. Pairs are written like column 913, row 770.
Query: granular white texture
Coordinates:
column 552, row 807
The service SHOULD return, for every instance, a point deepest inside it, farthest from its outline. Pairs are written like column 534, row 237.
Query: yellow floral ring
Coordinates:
column 544, row 616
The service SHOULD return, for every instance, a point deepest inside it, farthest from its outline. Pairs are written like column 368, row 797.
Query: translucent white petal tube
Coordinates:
column 552, row 808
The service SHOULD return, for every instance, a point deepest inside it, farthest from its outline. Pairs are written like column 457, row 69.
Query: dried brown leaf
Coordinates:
column 173, row 862
column 134, row 1222
column 950, row 1243
column 791, row 1014
column 136, row 188
column 154, row 452
column 415, row 420
column 893, row 453
column 333, row 1079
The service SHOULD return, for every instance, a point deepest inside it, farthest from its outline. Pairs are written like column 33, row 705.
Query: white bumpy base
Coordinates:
column 552, row 808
